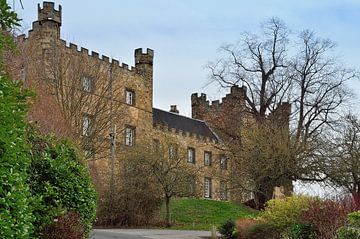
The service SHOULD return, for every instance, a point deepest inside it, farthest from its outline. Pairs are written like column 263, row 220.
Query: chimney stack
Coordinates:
column 173, row 109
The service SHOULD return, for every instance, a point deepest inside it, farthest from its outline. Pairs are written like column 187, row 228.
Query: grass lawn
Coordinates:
column 201, row 214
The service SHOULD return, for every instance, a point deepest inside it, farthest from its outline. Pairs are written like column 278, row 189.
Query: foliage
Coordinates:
column 227, row 229
column 325, row 217
column 66, row 226
column 200, row 214
column 263, row 231
column 59, row 181
column 15, row 198
column 285, row 212
column 352, row 229
column 8, row 17
column 300, row 231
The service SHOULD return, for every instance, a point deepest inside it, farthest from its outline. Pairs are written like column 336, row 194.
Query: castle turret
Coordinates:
column 49, row 19
column 144, row 67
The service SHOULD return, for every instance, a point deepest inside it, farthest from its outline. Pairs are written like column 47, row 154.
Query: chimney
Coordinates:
column 174, row 109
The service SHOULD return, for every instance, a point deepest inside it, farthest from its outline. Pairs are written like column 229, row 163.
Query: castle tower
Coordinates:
column 49, row 20
column 225, row 117
column 144, row 67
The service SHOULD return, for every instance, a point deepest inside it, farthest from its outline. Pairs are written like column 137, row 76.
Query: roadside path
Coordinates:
column 147, row 234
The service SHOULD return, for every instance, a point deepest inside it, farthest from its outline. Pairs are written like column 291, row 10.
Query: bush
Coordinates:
column 132, row 200
column 325, row 217
column 15, row 199
column 300, row 231
column 60, row 182
column 66, row 226
column 243, row 225
column 227, row 229
column 264, row 231
column 352, row 229
column 285, row 212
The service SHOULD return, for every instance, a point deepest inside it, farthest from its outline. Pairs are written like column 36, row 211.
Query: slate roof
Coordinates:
column 180, row 122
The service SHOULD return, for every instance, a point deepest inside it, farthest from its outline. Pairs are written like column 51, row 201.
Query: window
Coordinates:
column 87, row 84
column 207, row 188
column 207, row 158
column 191, row 155
column 173, row 151
column 156, row 145
column 192, row 186
column 223, row 190
column 129, row 136
column 86, row 125
column 223, row 162
column 130, row 97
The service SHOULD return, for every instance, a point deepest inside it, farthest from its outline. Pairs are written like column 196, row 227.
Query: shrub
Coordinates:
column 352, row 229
column 131, row 201
column 325, row 217
column 300, row 231
column 227, row 229
column 60, row 182
column 264, row 231
column 15, row 199
column 285, row 212
column 243, row 225
column 66, row 226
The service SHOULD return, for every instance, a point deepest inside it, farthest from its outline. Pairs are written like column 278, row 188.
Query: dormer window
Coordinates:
column 129, row 97
column 87, row 84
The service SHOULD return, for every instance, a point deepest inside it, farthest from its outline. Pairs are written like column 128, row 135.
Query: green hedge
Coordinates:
column 60, row 182
column 15, row 199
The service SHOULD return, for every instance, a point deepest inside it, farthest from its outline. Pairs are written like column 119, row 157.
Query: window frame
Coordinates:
column 210, row 158
column 132, row 99
column 224, row 165
column 207, row 194
column 133, row 135
column 191, row 149
column 89, row 128
column 88, row 88
column 173, row 151
column 223, row 190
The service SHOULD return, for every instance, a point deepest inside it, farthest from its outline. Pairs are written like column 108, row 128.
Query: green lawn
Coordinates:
column 201, row 214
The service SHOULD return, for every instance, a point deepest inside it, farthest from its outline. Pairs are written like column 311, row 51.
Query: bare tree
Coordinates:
column 342, row 163
column 259, row 63
column 166, row 165
column 78, row 96
column 313, row 81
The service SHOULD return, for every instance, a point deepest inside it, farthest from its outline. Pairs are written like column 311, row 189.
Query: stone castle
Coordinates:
column 114, row 103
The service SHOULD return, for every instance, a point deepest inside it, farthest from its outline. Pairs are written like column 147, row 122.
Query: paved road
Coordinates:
column 147, row 234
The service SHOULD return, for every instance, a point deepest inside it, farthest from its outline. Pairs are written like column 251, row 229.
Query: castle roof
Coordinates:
column 180, row 122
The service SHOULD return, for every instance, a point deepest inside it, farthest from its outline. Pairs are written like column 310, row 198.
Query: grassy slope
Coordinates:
column 201, row 214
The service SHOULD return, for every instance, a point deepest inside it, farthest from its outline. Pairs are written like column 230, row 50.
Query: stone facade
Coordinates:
column 88, row 90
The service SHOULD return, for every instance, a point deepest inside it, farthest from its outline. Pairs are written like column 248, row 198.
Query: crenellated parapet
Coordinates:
column 47, row 31
column 166, row 129
column 201, row 107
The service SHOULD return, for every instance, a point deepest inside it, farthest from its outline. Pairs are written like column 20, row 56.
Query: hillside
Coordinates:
column 201, row 214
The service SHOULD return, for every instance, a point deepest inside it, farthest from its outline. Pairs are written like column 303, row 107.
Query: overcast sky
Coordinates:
column 186, row 34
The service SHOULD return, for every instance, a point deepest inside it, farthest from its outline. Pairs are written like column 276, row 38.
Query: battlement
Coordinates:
column 48, row 12
column 86, row 52
column 165, row 128
column 144, row 57
column 236, row 93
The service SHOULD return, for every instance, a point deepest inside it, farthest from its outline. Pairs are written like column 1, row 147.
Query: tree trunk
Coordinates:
column 167, row 206
column 356, row 199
